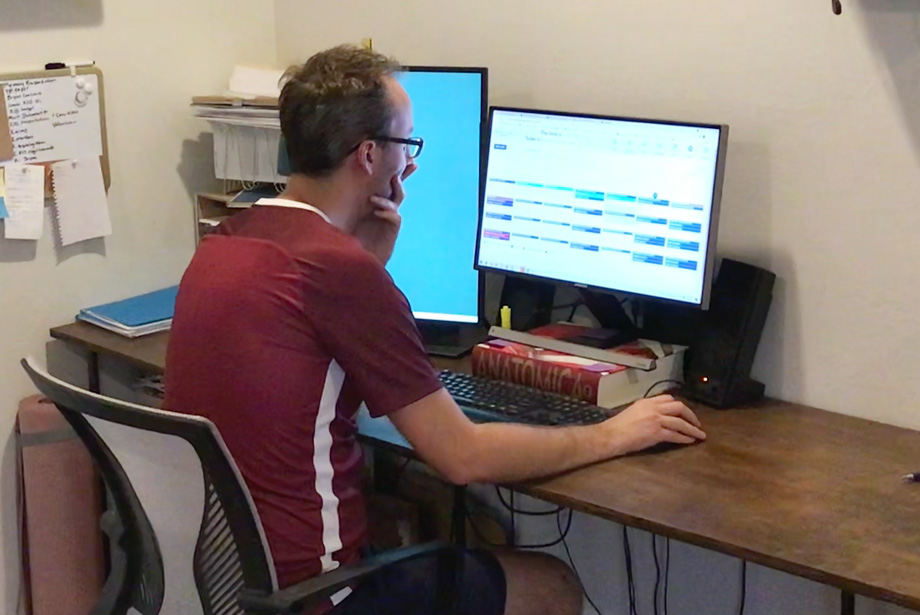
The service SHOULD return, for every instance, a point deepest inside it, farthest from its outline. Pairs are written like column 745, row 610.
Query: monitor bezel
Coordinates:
column 484, row 118
column 718, row 179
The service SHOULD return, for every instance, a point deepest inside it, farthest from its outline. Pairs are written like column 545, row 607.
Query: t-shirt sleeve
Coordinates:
column 367, row 326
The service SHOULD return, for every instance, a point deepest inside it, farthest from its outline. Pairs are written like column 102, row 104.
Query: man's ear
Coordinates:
column 367, row 155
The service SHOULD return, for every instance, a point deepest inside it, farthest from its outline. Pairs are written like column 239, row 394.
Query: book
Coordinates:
column 604, row 384
column 135, row 316
column 643, row 355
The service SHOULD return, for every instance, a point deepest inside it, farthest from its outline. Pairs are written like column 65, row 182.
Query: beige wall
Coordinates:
column 823, row 178
column 154, row 57
column 822, row 185
column 823, row 181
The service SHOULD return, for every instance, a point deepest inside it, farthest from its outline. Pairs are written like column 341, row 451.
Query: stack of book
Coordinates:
column 602, row 378
column 135, row 316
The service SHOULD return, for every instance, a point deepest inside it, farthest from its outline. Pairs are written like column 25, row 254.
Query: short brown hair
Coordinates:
column 332, row 103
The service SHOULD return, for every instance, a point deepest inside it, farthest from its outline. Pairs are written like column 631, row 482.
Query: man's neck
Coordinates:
column 327, row 195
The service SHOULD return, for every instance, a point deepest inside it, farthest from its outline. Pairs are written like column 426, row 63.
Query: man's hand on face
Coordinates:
column 377, row 232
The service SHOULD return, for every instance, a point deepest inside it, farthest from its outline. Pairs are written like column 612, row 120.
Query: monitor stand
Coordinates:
column 616, row 327
column 448, row 339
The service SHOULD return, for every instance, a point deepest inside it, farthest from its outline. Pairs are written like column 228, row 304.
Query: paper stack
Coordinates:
column 246, row 125
column 135, row 316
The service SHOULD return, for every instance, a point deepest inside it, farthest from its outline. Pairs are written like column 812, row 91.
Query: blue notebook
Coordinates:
column 136, row 311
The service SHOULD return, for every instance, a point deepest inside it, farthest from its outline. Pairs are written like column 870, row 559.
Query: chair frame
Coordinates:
column 136, row 571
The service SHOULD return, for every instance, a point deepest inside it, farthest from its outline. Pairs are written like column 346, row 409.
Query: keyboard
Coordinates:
column 485, row 400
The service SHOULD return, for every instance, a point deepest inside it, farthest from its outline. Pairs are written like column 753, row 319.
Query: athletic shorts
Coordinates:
column 411, row 588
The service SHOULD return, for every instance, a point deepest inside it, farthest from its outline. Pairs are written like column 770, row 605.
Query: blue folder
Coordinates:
column 138, row 311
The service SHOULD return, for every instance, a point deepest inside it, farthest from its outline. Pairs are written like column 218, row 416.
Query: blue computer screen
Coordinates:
column 432, row 262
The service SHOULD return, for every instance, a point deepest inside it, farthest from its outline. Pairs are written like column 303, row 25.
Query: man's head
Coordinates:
column 338, row 109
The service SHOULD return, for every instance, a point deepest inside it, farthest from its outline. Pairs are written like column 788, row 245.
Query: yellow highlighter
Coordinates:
column 505, row 317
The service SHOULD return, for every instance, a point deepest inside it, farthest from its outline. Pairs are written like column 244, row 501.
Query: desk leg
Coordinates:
column 458, row 516
column 92, row 372
column 847, row 603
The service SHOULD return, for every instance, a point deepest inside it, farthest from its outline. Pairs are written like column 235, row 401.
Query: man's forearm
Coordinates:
column 464, row 452
column 504, row 452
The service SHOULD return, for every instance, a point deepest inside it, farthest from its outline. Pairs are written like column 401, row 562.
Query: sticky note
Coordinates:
column 25, row 201
column 3, row 212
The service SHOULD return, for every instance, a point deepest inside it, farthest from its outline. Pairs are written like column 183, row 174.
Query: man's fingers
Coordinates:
column 678, row 438
column 410, row 169
column 679, row 425
column 383, row 204
column 398, row 193
column 674, row 407
column 390, row 216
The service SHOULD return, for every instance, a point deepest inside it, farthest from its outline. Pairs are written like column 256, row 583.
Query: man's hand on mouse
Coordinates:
column 652, row 421
column 378, row 231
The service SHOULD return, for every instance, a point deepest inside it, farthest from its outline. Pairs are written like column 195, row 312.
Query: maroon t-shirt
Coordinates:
column 283, row 326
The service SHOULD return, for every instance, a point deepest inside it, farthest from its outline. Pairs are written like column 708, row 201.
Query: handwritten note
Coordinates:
column 48, row 123
column 80, row 201
column 25, row 201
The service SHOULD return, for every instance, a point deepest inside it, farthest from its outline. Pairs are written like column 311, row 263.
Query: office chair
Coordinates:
column 184, row 535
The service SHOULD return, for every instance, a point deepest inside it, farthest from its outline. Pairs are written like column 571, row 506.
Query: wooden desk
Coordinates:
column 809, row 492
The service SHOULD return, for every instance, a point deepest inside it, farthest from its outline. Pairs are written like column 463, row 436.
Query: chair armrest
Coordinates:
column 293, row 599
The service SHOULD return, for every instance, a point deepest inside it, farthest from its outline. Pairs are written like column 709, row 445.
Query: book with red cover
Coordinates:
column 605, row 384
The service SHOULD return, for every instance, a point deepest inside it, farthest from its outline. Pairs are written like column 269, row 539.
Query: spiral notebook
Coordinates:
column 81, row 207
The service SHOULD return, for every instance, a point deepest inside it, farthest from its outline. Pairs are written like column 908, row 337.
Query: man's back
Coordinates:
column 270, row 341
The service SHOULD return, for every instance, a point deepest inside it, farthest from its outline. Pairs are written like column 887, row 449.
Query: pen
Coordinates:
column 912, row 478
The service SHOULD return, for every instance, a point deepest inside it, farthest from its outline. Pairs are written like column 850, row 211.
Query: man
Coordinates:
column 286, row 320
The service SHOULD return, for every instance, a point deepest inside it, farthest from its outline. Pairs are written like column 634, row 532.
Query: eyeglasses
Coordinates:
column 413, row 144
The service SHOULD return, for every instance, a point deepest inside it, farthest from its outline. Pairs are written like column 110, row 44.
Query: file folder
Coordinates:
column 135, row 316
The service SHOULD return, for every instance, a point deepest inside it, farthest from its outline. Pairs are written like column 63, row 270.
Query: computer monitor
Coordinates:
column 609, row 204
column 432, row 261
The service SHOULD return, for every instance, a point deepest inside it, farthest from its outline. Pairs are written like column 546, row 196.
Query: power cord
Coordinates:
column 668, row 381
column 575, row 307
column 568, row 555
column 513, row 531
column 563, row 534
column 509, row 506
column 667, row 571
column 630, row 583
column 743, row 586
column 656, row 595
column 529, row 513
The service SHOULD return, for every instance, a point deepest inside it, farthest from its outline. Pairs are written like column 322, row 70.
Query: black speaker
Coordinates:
column 722, row 340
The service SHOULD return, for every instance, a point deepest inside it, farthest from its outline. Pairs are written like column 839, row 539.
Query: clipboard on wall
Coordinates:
column 52, row 115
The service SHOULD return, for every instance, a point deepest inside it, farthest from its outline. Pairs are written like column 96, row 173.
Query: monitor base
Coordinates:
column 452, row 340
column 450, row 352
column 616, row 325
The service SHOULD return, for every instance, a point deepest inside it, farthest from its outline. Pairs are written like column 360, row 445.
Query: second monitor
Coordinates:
column 432, row 262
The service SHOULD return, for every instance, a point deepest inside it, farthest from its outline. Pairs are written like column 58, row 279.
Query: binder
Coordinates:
column 135, row 316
